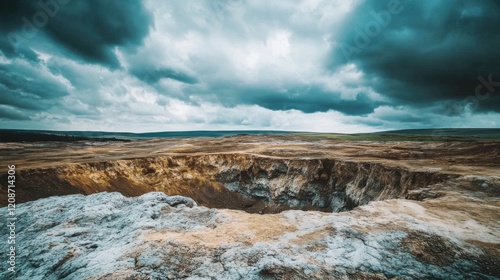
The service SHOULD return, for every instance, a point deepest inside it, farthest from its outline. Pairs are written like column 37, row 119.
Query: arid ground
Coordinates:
column 335, row 208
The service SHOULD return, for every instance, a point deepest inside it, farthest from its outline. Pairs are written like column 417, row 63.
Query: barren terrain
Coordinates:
column 196, row 166
column 410, row 210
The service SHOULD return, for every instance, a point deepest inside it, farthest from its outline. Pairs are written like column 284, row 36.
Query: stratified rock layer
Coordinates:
column 240, row 181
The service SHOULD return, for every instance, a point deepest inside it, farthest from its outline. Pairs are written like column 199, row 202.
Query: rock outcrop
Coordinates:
column 154, row 236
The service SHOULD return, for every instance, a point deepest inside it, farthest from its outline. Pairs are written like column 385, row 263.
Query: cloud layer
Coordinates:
column 236, row 64
column 429, row 51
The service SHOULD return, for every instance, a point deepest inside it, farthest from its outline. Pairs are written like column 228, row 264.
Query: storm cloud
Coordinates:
column 89, row 30
column 426, row 51
column 343, row 66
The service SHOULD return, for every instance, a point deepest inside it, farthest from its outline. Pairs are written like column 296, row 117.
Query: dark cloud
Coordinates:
column 20, row 51
column 26, row 88
column 428, row 51
column 88, row 29
column 11, row 114
column 308, row 99
column 153, row 75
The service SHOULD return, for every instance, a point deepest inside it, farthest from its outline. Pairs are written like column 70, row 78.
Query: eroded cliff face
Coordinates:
column 322, row 183
column 255, row 183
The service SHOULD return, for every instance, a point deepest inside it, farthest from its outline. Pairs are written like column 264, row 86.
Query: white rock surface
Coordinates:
column 154, row 236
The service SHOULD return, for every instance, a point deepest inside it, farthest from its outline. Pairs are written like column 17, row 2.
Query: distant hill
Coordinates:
column 7, row 135
column 13, row 135
column 458, row 134
column 464, row 132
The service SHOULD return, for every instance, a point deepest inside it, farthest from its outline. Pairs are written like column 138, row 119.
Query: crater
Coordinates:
column 253, row 183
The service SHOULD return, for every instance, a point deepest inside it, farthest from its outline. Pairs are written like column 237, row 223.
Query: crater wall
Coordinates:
column 237, row 181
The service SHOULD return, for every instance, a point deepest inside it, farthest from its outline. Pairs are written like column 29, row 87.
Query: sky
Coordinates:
column 302, row 65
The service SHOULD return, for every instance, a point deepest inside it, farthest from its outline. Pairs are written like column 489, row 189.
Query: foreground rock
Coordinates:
column 154, row 236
